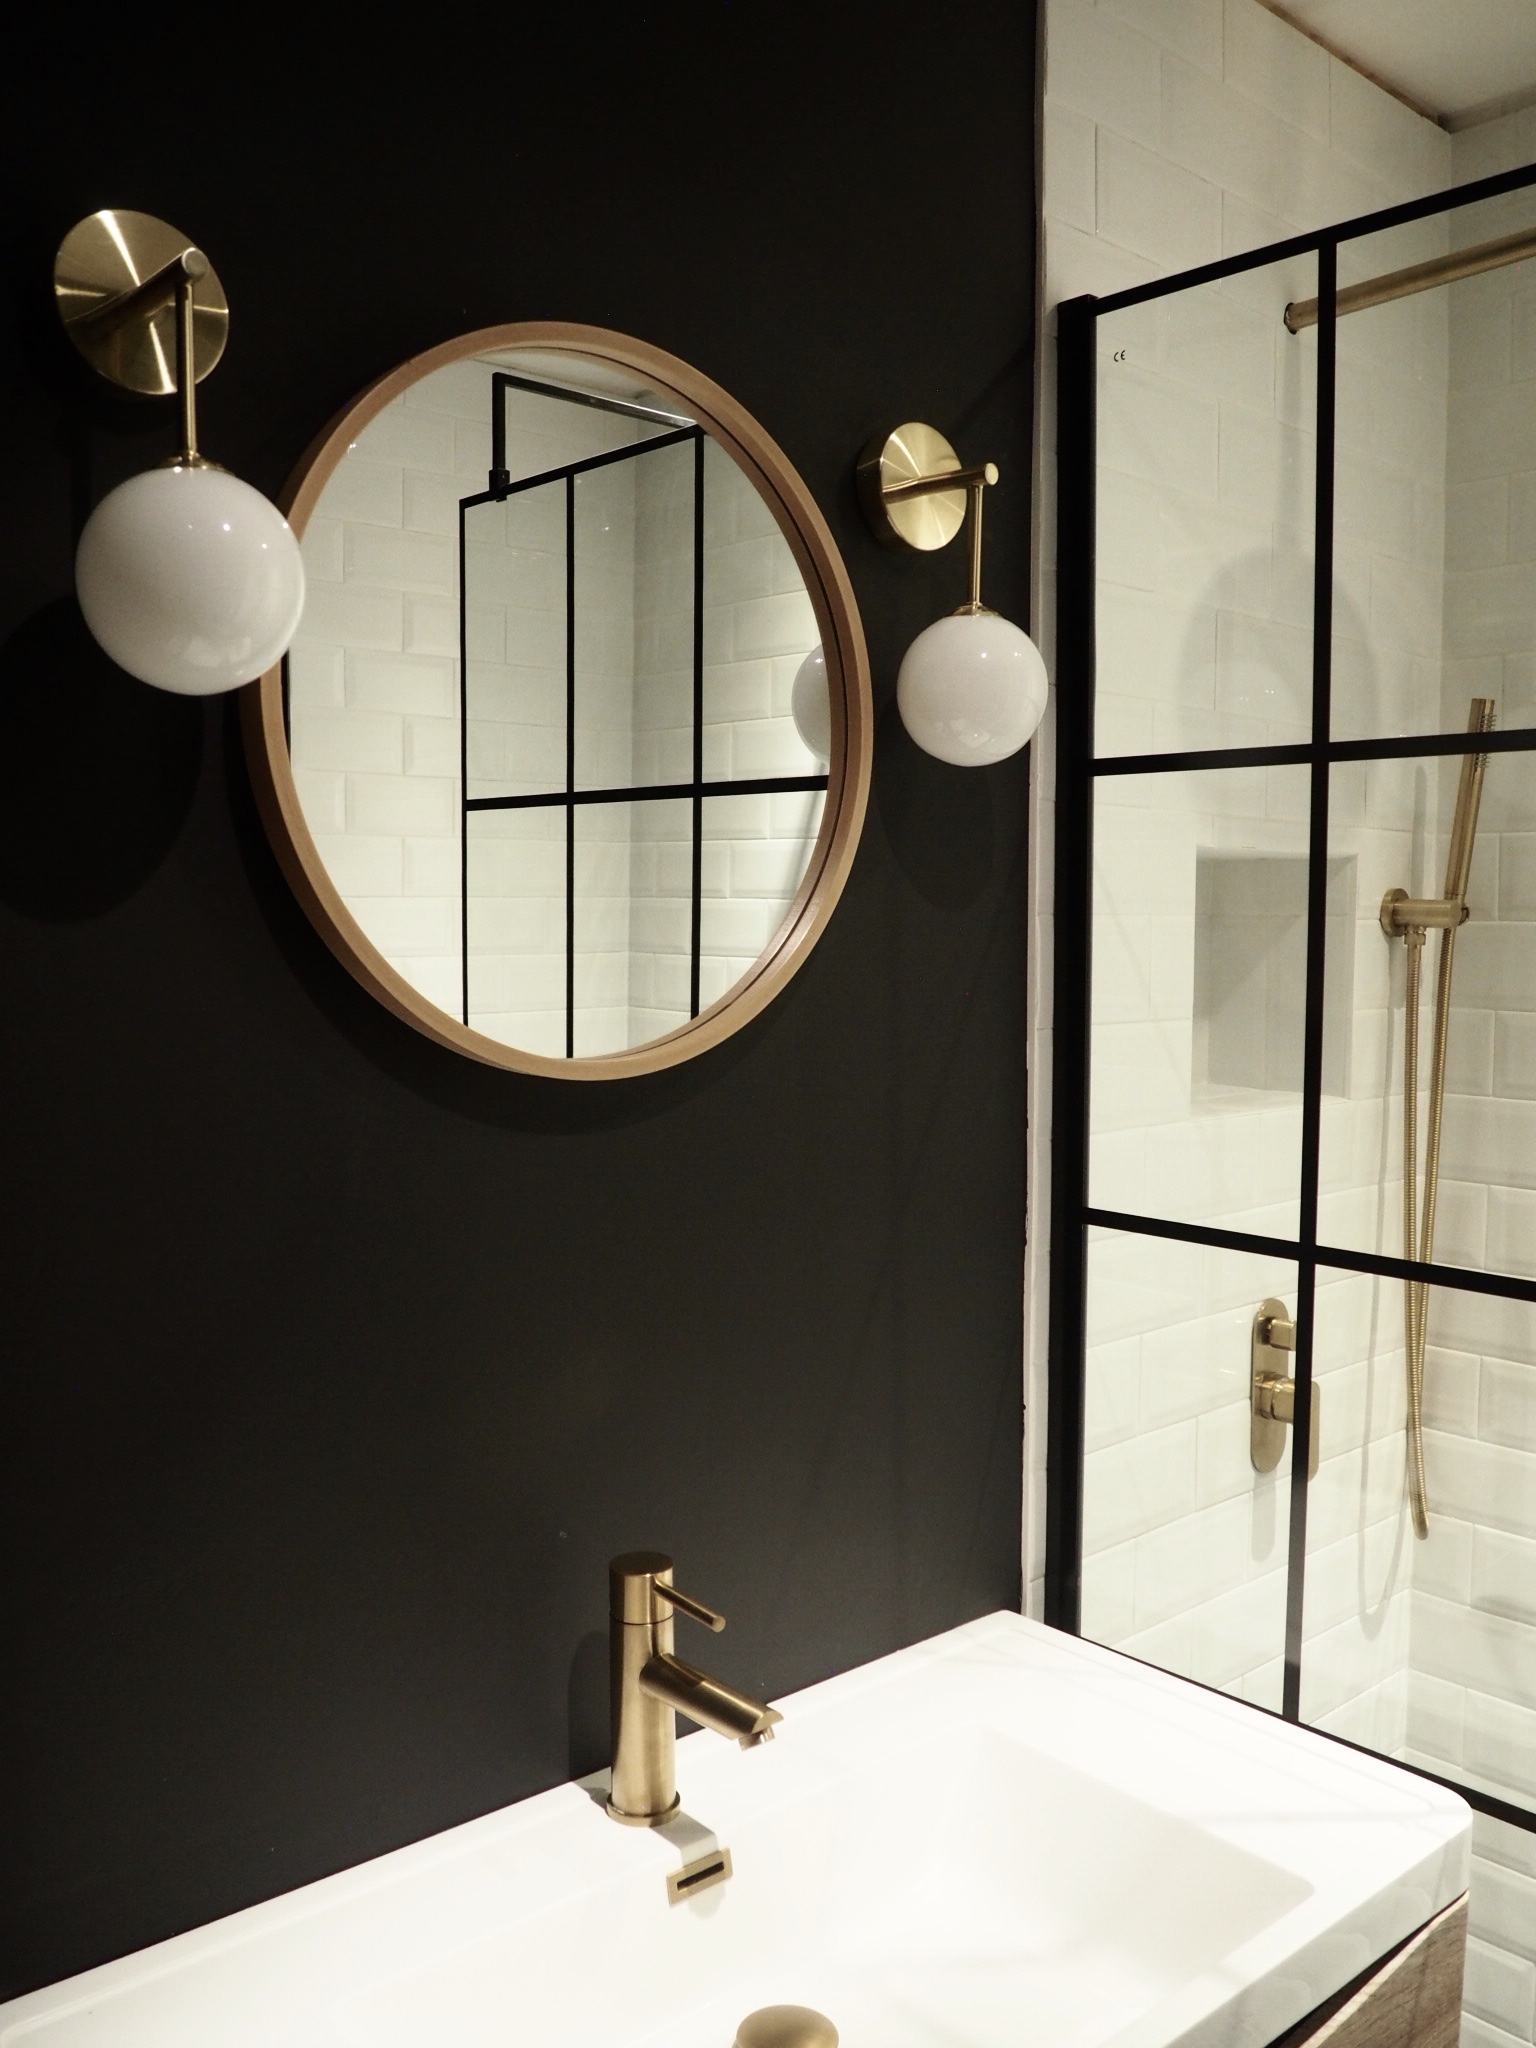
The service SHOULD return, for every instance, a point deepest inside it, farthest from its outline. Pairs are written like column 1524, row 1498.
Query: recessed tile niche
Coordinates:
column 1251, row 971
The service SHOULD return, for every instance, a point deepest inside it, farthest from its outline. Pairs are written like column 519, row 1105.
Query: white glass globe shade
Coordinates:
column 971, row 689
column 190, row 580
column 810, row 705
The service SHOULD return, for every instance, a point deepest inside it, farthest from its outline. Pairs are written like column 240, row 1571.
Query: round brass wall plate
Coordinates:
column 689, row 392
column 912, row 451
column 101, row 260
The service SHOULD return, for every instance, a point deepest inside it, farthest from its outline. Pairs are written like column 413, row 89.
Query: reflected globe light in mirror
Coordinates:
column 972, row 689
column 190, row 580
column 810, row 705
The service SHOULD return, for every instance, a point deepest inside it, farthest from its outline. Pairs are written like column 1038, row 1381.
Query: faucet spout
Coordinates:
column 650, row 1687
column 710, row 1701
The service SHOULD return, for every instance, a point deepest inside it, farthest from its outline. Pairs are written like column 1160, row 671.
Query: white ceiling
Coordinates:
column 1454, row 57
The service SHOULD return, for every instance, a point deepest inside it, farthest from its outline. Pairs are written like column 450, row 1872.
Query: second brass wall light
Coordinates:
column 188, row 578
column 972, row 687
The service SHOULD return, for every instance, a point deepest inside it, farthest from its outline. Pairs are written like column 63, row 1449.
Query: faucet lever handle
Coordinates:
column 695, row 1608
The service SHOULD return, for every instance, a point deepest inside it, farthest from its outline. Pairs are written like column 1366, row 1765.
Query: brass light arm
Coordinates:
column 973, row 603
column 974, row 482
column 186, row 365
column 146, row 299
column 946, row 480
column 171, row 284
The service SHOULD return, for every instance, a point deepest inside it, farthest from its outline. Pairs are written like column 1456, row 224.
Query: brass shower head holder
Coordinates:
column 1403, row 916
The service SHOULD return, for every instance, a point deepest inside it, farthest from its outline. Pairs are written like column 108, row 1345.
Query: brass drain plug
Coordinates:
column 786, row 2026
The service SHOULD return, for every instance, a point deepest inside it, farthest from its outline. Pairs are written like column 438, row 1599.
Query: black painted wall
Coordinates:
column 335, row 1367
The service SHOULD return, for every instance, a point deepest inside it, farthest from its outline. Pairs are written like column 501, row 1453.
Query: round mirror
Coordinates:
column 569, row 756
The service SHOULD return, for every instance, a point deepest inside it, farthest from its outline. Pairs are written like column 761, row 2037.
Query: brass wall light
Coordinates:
column 188, row 578
column 971, row 688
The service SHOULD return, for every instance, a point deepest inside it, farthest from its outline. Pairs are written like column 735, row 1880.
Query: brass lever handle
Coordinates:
column 1275, row 1396
column 1279, row 1332
column 689, row 1606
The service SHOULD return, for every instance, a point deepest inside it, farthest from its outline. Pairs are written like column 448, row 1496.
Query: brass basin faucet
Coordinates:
column 649, row 1687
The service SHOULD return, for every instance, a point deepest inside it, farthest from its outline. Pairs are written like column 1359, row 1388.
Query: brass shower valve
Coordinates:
column 1272, row 1393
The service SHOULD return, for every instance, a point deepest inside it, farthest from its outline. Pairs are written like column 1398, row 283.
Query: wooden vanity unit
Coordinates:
column 1410, row 1999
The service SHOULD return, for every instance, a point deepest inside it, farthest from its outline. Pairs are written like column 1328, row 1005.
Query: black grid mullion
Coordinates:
column 1076, row 579
column 1316, row 988
column 1520, row 739
column 1335, row 1257
column 464, row 805
column 654, row 792
column 1323, row 238
column 696, row 919
column 570, row 766
column 1073, row 1216
column 499, row 493
column 570, row 798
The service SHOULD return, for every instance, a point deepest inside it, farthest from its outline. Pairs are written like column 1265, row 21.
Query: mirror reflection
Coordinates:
column 542, row 706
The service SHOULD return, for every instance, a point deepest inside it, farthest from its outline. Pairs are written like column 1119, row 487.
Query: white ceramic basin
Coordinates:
column 999, row 1837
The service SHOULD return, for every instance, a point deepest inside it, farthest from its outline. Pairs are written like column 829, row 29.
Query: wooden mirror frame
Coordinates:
column 847, row 660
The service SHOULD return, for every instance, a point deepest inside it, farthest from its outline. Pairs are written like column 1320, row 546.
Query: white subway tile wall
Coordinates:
column 1243, row 121
column 374, row 694
column 1162, row 116
column 1474, row 1625
column 1184, row 1552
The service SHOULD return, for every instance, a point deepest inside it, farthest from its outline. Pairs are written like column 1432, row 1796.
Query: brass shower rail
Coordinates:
column 1418, row 277
column 1411, row 919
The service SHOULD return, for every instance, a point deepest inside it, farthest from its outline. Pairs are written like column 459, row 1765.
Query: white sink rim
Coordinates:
column 1380, row 1850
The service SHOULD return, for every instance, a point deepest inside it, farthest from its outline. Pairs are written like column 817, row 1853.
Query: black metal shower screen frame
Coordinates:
column 1077, row 771
column 570, row 798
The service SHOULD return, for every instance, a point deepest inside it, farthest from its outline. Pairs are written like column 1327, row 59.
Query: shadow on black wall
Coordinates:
column 96, row 772
column 939, row 820
column 336, row 1367
column 484, row 1095
column 587, row 1749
